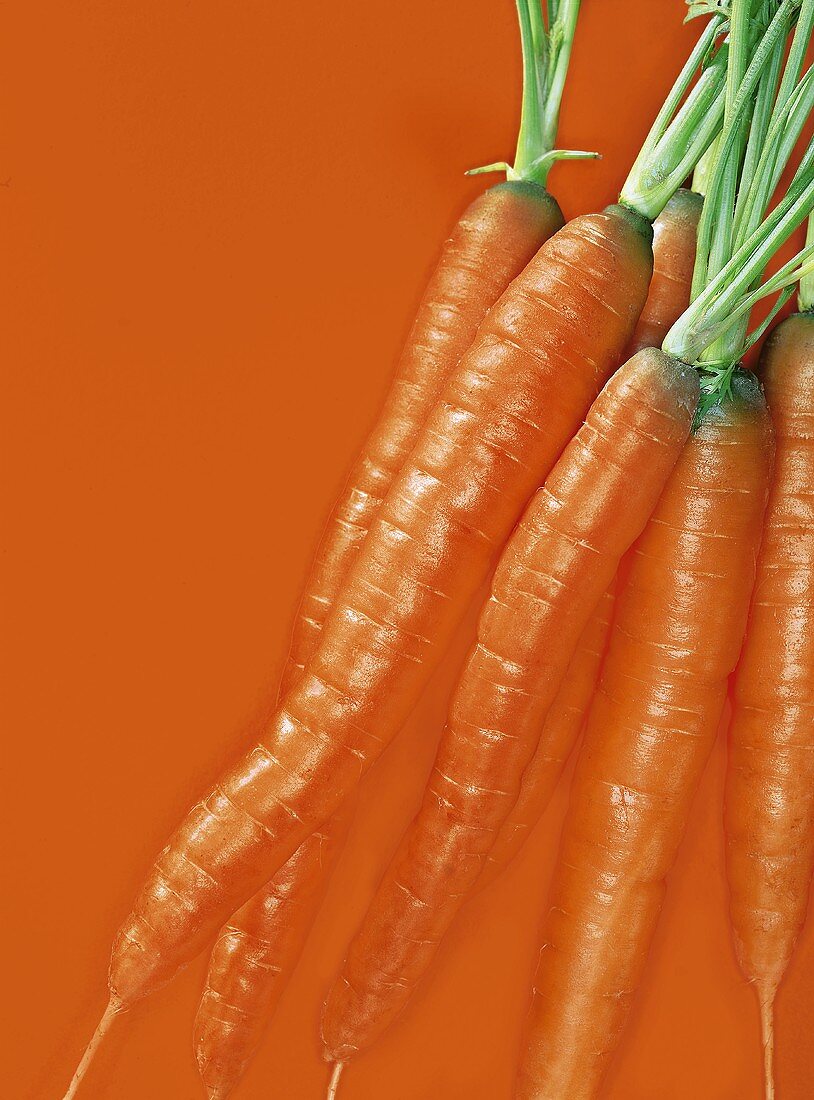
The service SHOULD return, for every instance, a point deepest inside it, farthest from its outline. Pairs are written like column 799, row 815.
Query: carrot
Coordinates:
column 674, row 232
column 490, row 245
column 504, row 415
column 770, row 774
column 551, row 575
column 253, row 958
column 675, row 639
column 559, row 735
column 680, row 621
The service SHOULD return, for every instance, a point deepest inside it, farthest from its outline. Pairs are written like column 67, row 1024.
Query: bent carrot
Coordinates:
column 557, row 564
column 769, row 804
column 674, row 236
column 253, row 958
column 675, row 639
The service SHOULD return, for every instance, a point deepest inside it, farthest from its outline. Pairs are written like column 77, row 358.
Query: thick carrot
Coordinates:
column 557, row 564
column 770, row 776
column 674, row 236
column 253, row 958
column 491, row 244
column 503, row 418
column 560, row 731
column 676, row 636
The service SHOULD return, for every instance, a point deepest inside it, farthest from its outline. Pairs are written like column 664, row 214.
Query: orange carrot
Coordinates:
column 504, row 416
column 253, row 958
column 677, row 632
column 560, row 731
column 674, row 234
column 770, row 775
column 557, row 564
column 491, row 244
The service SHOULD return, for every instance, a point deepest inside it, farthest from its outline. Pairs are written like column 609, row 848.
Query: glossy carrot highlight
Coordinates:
column 560, row 559
column 676, row 636
column 769, row 806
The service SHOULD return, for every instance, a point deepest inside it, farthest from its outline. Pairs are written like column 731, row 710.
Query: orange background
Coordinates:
column 219, row 218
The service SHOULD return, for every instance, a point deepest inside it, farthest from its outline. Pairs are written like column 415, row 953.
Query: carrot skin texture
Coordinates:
column 505, row 414
column 560, row 559
column 560, row 731
column 674, row 239
column 254, row 957
column 677, row 631
column 496, row 236
column 769, row 801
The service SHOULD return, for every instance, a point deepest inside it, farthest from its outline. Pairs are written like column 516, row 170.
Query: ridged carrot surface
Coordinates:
column 253, row 958
column 491, row 243
column 676, row 637
column 502, row 420
column 559, row 735
column 770, row 775
column 559, row 561
column 674, row 239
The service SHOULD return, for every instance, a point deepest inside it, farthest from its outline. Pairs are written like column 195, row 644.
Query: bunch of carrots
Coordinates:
column 570, row 424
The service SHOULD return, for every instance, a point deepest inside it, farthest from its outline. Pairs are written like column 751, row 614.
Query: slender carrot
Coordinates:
column 490, row 245
column 770, row 775
column 674, row 234
column 560, row 731
column 253, row 958
column 550, row 577
column 675, row 640
column 505, row 413
column 680, row 621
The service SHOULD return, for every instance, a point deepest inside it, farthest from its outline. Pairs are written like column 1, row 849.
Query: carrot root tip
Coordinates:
column 767, row 1036
column 114, row 1008
column 333, row 1084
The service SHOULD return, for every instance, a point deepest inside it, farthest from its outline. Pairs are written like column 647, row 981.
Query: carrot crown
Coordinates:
column 546, row 44
column 766, row 106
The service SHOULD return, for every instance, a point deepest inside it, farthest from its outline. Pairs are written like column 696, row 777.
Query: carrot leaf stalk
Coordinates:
column 684, row 127
column 736, row 237
column 805, row 296
column 546, row 54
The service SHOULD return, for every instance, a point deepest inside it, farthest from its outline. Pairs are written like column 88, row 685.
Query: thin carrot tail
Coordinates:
column 110, row 1013
column 333, row 1084
column 767, row 1037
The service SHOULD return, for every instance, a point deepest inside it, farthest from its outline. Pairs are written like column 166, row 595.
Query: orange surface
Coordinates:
column 217, row 220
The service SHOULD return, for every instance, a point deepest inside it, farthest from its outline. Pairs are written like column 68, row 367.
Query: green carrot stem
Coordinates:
column 805, row 298
column 546, row 56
